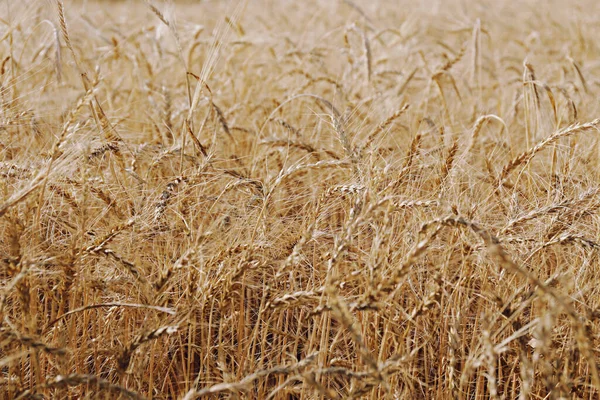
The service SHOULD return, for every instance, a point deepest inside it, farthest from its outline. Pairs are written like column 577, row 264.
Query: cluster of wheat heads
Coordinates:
column 320, row 199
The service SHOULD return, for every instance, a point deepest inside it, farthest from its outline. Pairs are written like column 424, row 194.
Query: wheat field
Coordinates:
column 269, row 199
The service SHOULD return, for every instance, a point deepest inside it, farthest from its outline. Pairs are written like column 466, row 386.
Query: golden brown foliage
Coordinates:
column 318, row 199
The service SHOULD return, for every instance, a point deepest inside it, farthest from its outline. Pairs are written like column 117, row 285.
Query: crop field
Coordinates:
column 325, row 199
